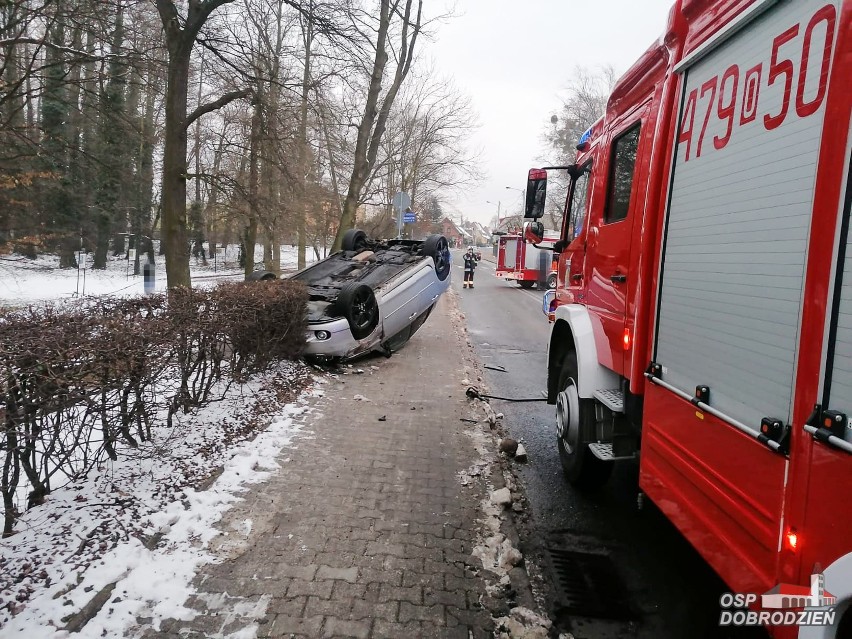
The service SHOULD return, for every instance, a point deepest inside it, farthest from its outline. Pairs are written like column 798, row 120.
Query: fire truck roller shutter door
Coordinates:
column 511, row 253
column 740, row 210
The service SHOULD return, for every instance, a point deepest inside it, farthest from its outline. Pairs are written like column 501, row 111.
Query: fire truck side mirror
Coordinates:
column 533, row 232
column 536, row 192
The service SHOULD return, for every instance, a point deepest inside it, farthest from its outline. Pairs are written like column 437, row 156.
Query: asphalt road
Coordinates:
column 652, row 582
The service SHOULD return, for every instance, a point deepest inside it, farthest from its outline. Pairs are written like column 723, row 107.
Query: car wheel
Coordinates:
column 575, row 423
column 261, row 276
column 551, row 280
column 438, row 249
column 354, row 240
column 359, row 306
column 526, row 283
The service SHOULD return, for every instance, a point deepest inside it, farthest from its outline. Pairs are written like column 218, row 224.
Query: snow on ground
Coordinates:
column 134, row 533
column 23, row 280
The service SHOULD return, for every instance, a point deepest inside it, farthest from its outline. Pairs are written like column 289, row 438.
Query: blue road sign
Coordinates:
column 409, row 218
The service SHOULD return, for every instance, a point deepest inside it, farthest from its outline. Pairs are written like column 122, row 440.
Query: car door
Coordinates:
column 406, row 296
column 608, row 244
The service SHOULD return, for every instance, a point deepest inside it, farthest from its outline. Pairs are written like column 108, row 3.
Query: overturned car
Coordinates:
column 371, row 295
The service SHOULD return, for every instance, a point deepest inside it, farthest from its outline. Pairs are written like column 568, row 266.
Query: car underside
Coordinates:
column 374, row 264
column 371, row 295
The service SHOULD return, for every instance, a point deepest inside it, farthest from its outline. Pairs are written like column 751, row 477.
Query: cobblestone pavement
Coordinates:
column 367, row 530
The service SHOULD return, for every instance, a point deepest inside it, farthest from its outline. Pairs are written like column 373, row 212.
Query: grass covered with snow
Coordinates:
column 125, row 541
column 143, row 523
column 24, row 281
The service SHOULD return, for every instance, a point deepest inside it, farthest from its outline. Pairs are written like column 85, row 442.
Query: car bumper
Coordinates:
column 340, row 342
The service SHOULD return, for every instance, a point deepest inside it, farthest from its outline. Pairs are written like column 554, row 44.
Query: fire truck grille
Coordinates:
column 588, row 585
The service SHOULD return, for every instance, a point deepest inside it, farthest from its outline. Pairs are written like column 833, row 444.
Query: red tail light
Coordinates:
column 792, row 540
column 626, row 339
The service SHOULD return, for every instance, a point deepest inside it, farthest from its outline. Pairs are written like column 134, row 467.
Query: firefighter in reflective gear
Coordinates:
column 469, row 268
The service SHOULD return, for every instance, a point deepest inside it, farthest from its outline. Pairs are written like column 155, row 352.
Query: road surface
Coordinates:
column 640, row 577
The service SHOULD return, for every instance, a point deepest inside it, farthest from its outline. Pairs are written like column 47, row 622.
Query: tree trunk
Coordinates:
column 250, row 235
column 173, row 225
column 302, row 211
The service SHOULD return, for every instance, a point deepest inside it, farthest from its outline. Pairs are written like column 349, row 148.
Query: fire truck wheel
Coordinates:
column 551, row 280
column 526, row 283
column 575, row 425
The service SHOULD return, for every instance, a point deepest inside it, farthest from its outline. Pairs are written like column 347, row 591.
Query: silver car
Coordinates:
column 372, row 295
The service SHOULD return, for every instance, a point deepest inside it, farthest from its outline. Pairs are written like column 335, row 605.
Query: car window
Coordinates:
column 579, row 203
column 621, row 170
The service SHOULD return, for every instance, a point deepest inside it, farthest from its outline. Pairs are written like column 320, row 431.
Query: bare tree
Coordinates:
column 426, row 146
column 181, row 33
column 584, row 103
column 377, row 107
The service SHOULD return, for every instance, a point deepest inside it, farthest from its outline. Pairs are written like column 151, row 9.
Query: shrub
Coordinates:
column 79, row 382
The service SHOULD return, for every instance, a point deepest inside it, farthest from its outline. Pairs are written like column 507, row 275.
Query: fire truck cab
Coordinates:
column 702, row 319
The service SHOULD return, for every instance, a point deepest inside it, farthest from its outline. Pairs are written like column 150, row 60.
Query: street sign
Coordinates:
column 409, row 218
column 401, row 200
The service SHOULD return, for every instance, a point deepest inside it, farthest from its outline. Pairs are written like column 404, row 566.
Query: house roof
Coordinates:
column 447, row 220
column 789, row 589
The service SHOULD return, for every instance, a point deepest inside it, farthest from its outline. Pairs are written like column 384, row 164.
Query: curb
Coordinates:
column 523, row 593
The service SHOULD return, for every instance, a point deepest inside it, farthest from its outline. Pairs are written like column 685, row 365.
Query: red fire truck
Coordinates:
column 522, row 261
column 703, row 314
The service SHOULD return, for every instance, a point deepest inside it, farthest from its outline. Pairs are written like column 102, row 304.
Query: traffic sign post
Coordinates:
column 401, row 201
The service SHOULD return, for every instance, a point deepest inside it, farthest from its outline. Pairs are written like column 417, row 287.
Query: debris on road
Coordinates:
column 498, row 555
column 360, row 398
column 521, row 454
column 509, row 446
column 522, row 623
column 501, row 497
column 383, row 418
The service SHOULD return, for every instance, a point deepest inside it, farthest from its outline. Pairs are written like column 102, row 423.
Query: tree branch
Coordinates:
column 217, row 104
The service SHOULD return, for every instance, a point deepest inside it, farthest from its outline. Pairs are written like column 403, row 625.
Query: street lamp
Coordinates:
column 498, row 210
column 522, row 192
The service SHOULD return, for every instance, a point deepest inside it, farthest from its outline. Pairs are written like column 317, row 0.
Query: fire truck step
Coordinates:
column 604, row 452
column 611, row 398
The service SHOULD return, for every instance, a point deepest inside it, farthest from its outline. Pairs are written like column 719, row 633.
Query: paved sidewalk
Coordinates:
column 367, row 530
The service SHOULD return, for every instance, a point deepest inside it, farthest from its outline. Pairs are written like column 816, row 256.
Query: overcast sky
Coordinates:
column 513, row 58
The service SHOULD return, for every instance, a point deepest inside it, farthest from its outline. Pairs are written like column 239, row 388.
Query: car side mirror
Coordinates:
column 536, row 194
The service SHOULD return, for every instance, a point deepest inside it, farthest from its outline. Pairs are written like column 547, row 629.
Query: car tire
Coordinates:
column 261, row 276
column 354, row 240
column 437, row 247
column 575, row 423
column 551, row 280
column 358, row 304
column 526, row 283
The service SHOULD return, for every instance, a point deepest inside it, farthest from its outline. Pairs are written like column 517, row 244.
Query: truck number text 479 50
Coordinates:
column 782, row 68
